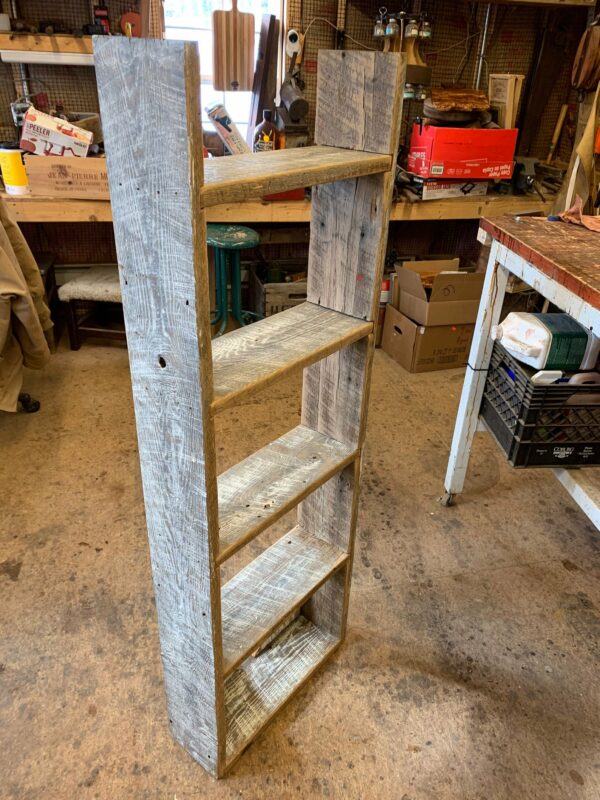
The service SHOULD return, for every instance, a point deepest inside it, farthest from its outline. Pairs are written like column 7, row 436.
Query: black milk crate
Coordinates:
column 540, row 426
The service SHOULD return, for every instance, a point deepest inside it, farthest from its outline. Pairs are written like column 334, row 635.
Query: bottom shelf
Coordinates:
column 258, row 689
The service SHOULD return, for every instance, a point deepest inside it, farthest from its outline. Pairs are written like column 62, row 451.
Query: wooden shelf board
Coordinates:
column 255, row 692
column 52, row 209
column 267, row 484
column 252, row 175
column 273, row 586
column 43, row 43
column 249, row 359
column 541, row 2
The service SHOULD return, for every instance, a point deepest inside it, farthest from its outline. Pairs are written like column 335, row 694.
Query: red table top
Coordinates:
column 568, row 254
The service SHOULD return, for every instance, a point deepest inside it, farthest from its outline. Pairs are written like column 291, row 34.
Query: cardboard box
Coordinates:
column 452, row 300
column 442, row 190
column 270, row 298
column 504, row 92
column 56, row 176
column 473, row 153
column 51, row 136
column 421, row 349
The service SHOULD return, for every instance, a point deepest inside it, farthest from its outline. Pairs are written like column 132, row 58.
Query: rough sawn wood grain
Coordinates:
column 267, row 484
column 248, row 176
column 270, row 588
column 160, row 236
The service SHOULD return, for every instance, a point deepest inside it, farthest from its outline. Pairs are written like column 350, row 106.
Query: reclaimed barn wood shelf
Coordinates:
column 234, row 654
column 249, row 359
column 263, row 487
column 256, row 691
column 270, row 589
column 234, row 179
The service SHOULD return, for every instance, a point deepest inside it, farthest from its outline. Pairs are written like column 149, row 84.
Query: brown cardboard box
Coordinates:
column 46, row 135
column 59, row 176
column 379, row 325
column 420, row 349
column 452, row 300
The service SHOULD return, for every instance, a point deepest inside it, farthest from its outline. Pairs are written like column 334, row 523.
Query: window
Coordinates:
column 192, row 20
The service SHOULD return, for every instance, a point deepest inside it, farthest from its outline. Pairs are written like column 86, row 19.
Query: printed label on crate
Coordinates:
column 562, row 452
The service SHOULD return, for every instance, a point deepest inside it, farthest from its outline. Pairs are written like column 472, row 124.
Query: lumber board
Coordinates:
column 232, row 179
column 160, row 235
column 255, row 692
column 44, row 43
column 46, row 209
column 345, row 252
column 349, row 227
column 274, row 585
column 358, row 100
column 261, row 488
column 249, row 359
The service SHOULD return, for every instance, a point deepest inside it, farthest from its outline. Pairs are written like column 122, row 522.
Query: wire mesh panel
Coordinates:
column 452, row 51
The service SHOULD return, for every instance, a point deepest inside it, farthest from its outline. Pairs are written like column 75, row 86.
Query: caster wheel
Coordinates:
column 29, row 405
column 446, row 499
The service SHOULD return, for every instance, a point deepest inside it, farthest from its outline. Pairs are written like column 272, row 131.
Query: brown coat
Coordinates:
column 24, row 316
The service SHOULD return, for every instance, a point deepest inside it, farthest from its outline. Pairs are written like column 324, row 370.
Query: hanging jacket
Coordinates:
column 24, row 316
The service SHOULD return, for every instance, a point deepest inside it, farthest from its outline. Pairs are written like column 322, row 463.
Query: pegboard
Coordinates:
column 74, row 86
column 452, row 59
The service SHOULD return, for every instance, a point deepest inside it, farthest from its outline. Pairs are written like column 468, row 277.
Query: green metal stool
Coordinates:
column 227, row 241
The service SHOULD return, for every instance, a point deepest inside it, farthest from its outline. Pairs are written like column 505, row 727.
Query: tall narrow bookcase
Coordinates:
column 233, row 654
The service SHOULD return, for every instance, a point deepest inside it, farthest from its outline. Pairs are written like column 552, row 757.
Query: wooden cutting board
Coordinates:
column 233, row 50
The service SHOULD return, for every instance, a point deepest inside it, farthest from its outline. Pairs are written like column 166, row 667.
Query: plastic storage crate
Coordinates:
column 540, row 426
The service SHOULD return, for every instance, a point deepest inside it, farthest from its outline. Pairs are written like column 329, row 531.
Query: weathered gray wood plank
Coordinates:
column 267, row 484
column 248, row 176
column 358, row 100
column 270, row 588
column 347, row 250
column 149, row 97
column 253, row 357
column 349, row 227
column 255, row 692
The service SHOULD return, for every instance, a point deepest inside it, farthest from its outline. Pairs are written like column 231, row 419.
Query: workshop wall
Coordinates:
column 75, row 87
column 511, row 48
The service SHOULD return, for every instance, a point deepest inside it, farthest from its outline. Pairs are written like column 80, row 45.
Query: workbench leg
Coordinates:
column 490, row 309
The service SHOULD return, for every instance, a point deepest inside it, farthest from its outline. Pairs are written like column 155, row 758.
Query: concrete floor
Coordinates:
column 470, row 671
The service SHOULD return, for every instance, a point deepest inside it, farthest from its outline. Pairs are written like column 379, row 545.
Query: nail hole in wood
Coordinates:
column 162, row 362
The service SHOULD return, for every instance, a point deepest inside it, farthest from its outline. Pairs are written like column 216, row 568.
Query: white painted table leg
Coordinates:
column 490, row 308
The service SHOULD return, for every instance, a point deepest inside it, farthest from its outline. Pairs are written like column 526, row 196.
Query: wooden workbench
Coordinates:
column 52, row 209
column 562, row 262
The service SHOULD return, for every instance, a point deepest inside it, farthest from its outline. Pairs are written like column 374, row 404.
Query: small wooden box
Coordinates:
column 75, row 178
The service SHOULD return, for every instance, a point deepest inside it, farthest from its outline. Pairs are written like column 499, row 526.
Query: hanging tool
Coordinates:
column 233, row 50
column 557, row 132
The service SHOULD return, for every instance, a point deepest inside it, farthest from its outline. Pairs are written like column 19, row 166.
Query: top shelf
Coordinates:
column 28, row 48
column 235, row 179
